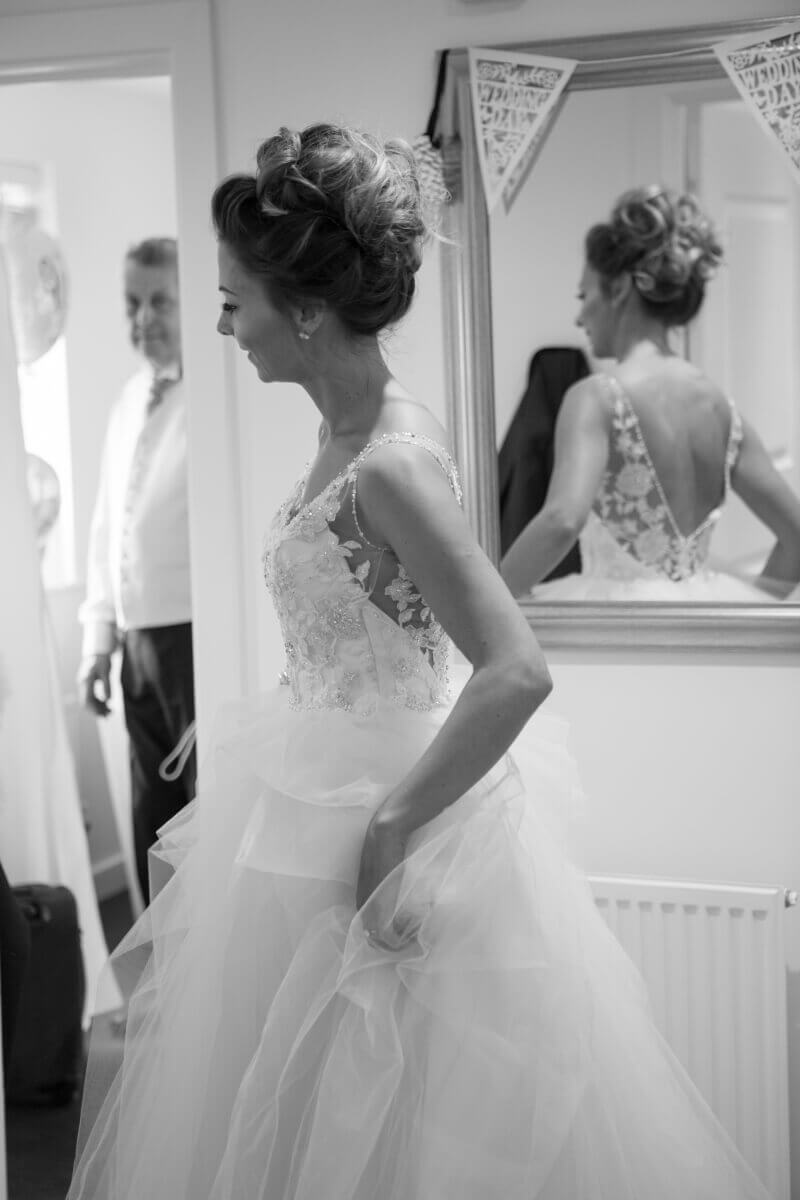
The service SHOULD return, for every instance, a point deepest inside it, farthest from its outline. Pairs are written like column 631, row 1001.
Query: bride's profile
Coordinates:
column 648, row 448
column 372, row 972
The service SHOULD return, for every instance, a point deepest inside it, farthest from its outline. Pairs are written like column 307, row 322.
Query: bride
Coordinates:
column 646, row 455
column 372, row 973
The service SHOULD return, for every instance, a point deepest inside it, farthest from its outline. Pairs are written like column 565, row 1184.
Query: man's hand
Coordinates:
column 94, row 683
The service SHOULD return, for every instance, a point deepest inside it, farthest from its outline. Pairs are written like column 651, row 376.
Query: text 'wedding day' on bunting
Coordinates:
column 518, row 175
column 512, row 97
column 766, row 71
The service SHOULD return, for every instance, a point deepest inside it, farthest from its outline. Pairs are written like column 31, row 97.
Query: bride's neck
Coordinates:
column 348, row 388
column 643, row 342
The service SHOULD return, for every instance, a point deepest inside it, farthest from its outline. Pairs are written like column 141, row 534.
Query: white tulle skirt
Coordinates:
column 273, row 1053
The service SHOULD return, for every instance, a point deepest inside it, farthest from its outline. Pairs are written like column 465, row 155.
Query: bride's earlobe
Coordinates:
column 308, row 318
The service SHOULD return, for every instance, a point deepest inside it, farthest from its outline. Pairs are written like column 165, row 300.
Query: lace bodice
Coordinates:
column 632, row 532
column 355, row 627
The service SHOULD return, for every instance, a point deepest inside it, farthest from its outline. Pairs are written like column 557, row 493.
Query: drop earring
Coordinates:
column 302, row 334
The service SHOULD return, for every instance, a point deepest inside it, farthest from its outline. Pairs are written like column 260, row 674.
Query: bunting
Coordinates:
column 512, row 97
column 766, row 72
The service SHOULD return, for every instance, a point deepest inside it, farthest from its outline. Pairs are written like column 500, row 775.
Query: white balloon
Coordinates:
column 37, row 281
column 45, row 493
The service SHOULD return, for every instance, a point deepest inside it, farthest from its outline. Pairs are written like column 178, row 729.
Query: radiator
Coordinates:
column 713, row 959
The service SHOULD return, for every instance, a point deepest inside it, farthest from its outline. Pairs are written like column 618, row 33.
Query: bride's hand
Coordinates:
column 383, row 852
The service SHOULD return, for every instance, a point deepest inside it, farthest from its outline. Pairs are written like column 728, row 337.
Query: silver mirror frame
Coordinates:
column 664, row 55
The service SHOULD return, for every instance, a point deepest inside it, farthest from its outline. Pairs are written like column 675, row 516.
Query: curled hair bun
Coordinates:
column 331, row 213
column 667, row 244
column 348, row 178
column 276, row 171
column 676, row 239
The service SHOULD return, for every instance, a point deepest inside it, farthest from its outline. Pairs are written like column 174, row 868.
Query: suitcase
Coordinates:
column 47, row 1055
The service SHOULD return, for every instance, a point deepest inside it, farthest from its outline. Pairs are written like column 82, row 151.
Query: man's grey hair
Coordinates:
column 154, row 252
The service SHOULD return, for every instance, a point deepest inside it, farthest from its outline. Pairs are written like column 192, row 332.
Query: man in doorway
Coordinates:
column 138, row 590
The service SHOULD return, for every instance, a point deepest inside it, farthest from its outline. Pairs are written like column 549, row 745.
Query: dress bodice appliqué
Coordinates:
column 631, row 532
column 355, row 627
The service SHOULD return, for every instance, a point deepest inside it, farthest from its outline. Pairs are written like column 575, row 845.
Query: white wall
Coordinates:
column 675, row 754
column 679, row 782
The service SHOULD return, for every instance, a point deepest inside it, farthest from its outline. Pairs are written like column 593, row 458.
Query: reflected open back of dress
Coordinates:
column 633, row 505
column 632, row 547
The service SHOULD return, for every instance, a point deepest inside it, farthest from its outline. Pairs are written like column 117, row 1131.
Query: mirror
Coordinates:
column 640, row 108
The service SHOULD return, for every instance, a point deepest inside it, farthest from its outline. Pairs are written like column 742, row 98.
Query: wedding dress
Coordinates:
column 632, row 548
column 272, row 1052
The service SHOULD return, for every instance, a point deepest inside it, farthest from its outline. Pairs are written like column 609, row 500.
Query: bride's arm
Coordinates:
column 580, row 456
column 405, row 501
column 767, row 494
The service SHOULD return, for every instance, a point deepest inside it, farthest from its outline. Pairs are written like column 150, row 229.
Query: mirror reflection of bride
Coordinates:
column 647, row 453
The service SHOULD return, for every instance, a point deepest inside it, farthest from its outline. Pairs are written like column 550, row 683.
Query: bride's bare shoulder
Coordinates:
column 407, row 415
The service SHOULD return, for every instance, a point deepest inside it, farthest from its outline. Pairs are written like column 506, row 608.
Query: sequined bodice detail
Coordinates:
column 632, row 532
column 356, row 629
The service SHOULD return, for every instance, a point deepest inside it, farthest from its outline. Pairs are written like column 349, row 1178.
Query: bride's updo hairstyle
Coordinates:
column 667, row 245
column 331, row 214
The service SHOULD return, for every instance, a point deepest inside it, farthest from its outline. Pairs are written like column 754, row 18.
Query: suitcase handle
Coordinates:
column 34, row 910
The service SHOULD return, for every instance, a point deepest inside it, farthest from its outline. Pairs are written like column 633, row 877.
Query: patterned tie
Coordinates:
column 158, row 387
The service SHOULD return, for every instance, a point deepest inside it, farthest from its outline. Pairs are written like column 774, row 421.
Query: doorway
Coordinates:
column 170, row 41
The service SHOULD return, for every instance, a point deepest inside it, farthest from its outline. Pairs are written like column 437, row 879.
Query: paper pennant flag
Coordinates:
column 525, row 163
column 766, row 71
column 512, row 95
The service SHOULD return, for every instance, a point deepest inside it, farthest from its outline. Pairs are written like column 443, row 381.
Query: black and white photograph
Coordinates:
column 399, row 600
